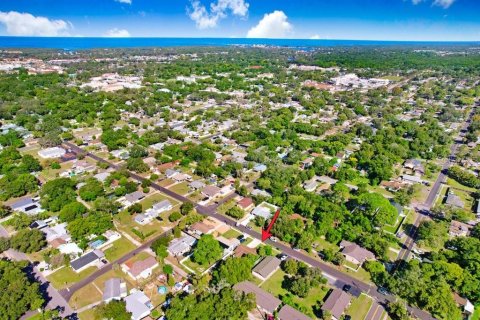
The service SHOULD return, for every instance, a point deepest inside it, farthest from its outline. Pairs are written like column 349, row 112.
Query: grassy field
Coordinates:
column 85, row 296
column 455, row 184
column 181, row 188
column 198, row 269
column 66, row 276
column 118, row 249
column 359, row 307
column 232, row 233
column 476, row 314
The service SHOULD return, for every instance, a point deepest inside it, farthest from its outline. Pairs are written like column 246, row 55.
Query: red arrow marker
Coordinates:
column 266, row 233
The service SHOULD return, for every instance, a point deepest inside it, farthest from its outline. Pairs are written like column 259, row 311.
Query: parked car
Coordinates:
column 383, row 291
column 347, row 288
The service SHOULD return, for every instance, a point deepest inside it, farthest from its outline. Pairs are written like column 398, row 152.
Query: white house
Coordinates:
column 52, row 153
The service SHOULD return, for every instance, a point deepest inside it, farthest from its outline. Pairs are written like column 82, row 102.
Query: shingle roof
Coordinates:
column 289, row 313
column 336, row 303
column 355, row 251
column 268, row 265
column 263, row 299
column 139, row 266
column 86, row 259
column 112, row 289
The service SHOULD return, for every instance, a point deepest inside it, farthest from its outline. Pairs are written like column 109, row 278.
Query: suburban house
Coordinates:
column 354, row 253
column 415, row 166
column 459, row 229
column 140, row 269
column 182, row 245
column 120, row 154
column 307, row 163
column 131, row 198
column 265, row 301
column 243, row 250
column 56, row 231
column 102, row 176
column 115, row 289
column 27, row 205
column 289, row 313
column 259, row 167
column 200, row 228
column 139, row 305
column 158, row 208
column 265, row 268
column 336, row 303
column 263, row 212
column 197, row 185
column 52, row 153
column 228, row 244
column 87, row 260
column 467, row 307
column 246, row 204
column 310, row 186
column 454, row 200
column 211, row 191
column 408, row 178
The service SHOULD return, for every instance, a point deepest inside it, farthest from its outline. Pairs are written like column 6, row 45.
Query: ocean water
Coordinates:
column 78, row 43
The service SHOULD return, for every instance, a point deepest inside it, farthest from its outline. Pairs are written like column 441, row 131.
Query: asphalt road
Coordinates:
column 332, row 272
column 423, row 210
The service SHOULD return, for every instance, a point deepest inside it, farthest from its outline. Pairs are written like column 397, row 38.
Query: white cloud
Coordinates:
column 117, row 33
column 272, row 25
column 205, row 18
column 124, row 1
column 445, row 4
column 25, row 24
column 315, row 37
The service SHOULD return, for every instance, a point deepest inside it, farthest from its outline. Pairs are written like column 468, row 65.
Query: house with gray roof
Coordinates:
column 454, row 200
column 115, row 289
column 87, row 260
column 354, row 253
column 289, row 313
column 27, row 205
column 265, row 268
column 131, row 198
column 197, row 185
column 265, row 301
column 262, row 212
column 336, row 303
column 182, row 245
column 139, row 305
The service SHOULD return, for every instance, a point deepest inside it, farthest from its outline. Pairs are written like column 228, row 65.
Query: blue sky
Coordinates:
column 438, row 20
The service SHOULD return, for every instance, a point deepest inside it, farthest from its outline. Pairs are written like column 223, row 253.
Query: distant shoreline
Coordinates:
column 79, row 43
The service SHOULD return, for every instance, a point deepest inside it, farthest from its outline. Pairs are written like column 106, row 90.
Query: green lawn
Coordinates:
column 85, row 296
column 181, row 188
column 359, row 307
column 455, row 184
column 476, row 314
column 118, row 249
column 198, row 269
column 232, row 233
column 66, row 276
column 87, row 314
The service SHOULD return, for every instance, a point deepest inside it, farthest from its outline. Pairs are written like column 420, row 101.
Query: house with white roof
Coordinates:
column 138, row 304
column 182, row 245
column 52, row 153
